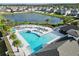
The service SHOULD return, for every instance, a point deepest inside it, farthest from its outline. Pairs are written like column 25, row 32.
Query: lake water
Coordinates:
column 33, row 17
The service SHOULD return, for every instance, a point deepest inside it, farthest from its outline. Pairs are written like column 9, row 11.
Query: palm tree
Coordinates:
column 2, row 21
column 5, row 22
column 17, row 43
column 13, row 36
column 9, row 23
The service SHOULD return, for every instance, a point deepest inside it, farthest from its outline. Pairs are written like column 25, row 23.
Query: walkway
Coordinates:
column 20, row 53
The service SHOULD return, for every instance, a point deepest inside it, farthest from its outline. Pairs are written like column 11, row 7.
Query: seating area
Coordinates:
column 41, row 30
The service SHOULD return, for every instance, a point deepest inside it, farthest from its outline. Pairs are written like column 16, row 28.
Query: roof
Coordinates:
column 68, row 27
column 73, row 32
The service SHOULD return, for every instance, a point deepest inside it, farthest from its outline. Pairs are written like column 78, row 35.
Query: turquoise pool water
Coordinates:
column 36, row 42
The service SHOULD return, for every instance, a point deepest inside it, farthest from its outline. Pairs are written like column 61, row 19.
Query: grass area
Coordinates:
column 34, row 23
column 5, row 13
column 1, row 17
column 10, row 51
column 42, row 24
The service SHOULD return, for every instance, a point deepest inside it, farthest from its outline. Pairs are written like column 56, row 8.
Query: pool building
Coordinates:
column 35, row 38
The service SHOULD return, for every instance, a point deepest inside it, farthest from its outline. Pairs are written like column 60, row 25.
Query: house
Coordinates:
column 74, row 12
column 49, row 10
column 8, row 10
column 2, row 8
column 77, row 16
column 73, row 33
column 65, row 28
column 61, row 11
column 68, row 12
column 14, row 9
column 43, row 9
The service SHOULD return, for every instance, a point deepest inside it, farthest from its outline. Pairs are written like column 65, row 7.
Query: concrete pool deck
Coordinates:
column 25, row 28
column 20, row 53
column 25, row 50
column 40, row 30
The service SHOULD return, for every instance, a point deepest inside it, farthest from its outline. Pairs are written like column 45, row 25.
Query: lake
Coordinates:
column 33, row 17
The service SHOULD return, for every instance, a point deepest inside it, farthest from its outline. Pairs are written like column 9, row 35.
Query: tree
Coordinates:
column 17, row 43
column 9, row 22
column 2, row 21
column 13, row 36
column 6, row 24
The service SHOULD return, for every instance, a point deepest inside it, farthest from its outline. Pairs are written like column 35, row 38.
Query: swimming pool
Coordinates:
column 35, row 41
